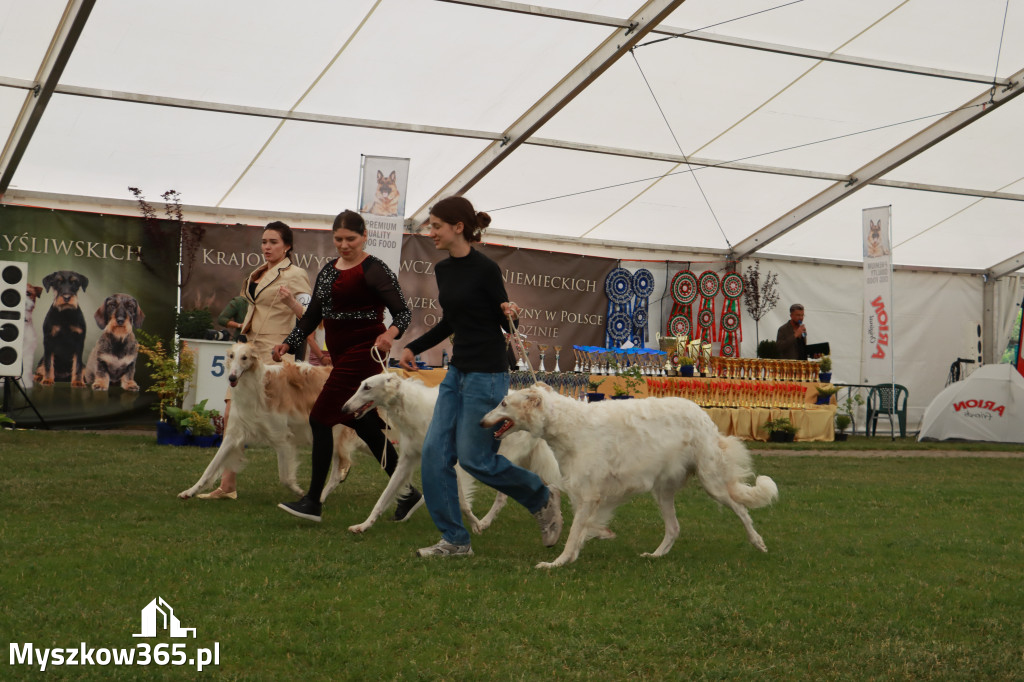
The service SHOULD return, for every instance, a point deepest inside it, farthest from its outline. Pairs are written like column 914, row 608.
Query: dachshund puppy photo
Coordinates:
column 32, row 294
column 63, row 331
column 112, row 359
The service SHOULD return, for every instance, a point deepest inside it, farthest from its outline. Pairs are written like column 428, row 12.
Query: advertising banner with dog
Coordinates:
column 877, row 336
column 92, row 280
column 561, row 295
column 382, row 204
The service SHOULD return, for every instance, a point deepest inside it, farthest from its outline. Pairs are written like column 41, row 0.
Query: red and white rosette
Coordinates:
column 731, row 325
column 708, row 285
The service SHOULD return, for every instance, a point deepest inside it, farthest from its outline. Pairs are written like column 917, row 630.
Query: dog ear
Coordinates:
column 84, row 280
column 380, row 176
column 38, row 290
column 48, row 281
column 101, row 315
column 139, row 317
column 393, row 177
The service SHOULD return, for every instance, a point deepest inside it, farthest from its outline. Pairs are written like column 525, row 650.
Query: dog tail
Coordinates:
column 737, row 461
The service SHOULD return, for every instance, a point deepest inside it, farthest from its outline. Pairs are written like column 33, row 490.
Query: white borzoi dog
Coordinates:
column 611, row 451
column 409, row 405
column 271, row 404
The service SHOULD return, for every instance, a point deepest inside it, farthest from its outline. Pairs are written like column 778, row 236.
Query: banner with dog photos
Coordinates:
column 382, row 186
column 877, row 337
column 561, row 295
column 94, row 279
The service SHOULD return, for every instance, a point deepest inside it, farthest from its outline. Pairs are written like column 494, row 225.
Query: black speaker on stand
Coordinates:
column 13, row 286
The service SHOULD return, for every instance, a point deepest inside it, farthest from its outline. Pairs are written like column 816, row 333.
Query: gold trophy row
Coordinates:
column 705, row 364
column 745, row 393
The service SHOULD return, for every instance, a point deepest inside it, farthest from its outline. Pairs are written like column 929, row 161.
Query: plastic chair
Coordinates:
column 880, row 403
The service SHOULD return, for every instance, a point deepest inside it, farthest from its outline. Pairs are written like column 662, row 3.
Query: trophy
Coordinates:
column 693, row 350
column 542, row 347
column 558, row 350
column 668, row 345
column 705, row 351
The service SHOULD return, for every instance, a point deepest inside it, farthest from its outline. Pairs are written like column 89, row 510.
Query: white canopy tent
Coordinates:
column 710, row 129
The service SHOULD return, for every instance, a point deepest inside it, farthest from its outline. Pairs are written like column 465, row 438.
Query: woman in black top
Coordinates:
column 474, row 308
column 350, row 295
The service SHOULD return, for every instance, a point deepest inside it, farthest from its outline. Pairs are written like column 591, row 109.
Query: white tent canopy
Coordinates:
column 680, row 130
column 987, row 406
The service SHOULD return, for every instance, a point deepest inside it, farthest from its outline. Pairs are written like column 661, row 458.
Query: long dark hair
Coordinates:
column 286, row 236
column 454, row 210
column 351, row 221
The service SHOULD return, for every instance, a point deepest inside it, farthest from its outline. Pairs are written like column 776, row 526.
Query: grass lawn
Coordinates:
column 878, row 569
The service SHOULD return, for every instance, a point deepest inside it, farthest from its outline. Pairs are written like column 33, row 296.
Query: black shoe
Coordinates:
column 304, row 509
column 407, row 504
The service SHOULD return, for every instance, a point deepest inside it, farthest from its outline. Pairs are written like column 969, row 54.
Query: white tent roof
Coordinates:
column 267, row 106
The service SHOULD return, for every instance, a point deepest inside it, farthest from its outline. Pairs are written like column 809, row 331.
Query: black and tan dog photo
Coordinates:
column 385, row 199
column 112, row 359
column 63, row 331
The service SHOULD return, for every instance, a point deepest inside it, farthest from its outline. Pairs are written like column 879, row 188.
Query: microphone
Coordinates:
column 804, row 335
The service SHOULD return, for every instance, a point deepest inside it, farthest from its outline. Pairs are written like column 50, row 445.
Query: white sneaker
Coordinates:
column 445, row 548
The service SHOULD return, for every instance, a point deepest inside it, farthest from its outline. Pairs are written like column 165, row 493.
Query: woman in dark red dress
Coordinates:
column 349, row 296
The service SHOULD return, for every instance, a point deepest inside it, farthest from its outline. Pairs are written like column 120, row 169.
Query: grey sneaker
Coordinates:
column 549, row 518
column 445, row 548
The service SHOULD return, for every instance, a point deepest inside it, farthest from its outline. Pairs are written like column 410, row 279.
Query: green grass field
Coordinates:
column 878, row 569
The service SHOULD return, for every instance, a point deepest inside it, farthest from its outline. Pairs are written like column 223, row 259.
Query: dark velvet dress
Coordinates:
column 351, row 305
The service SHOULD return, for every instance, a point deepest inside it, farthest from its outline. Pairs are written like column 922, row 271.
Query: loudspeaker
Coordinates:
column 973, row 342
column 13, row 283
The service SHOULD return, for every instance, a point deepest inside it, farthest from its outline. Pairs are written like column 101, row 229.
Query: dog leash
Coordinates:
column 382, row 361
column 517, row 343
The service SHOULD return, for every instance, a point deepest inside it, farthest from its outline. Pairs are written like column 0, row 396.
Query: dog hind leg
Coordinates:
column 719, row 491
column 666, row 500
column 500, row 500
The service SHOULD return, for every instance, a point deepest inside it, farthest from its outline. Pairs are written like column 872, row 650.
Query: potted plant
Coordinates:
column 170, row 377
column 825, row 394
column 768, row 349
column 844, row 417
column 593, row 395
column 825, row 370
column 685, row 366
column 842, row 421
column 198, row 424
column 632, row 380
column 780, row 430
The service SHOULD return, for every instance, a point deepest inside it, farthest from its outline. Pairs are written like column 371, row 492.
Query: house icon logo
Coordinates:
column 158, row 614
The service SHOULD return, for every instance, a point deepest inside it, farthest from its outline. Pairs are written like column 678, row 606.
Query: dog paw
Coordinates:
column 185, row 494
column 546, row 564
column 359, row 528
column 129, row 386
column 77, row 384
column 99, row 387
column 652, row 555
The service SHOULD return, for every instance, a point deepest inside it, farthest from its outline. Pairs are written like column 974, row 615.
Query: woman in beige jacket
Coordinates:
column 278, row 292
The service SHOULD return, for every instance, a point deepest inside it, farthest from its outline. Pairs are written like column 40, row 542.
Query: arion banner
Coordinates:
column 81, row 261
column 877, row 333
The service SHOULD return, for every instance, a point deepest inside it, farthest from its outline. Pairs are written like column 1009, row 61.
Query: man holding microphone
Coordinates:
column 792, row 337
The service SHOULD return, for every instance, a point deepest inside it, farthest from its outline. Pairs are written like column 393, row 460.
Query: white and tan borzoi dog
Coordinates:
column 610, row 451
column 271, row 404
column 409, row 405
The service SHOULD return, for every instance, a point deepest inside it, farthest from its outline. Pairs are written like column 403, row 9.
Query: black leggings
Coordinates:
column 369, row 428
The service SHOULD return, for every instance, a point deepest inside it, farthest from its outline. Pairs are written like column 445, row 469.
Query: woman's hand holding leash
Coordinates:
column 510, row 310
column 280, row 350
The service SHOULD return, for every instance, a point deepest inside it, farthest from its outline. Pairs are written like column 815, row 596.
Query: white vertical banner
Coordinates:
column 877, row 349
column 382, row 185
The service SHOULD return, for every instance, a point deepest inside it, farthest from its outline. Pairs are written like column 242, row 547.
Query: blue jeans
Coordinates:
column 455, row 435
